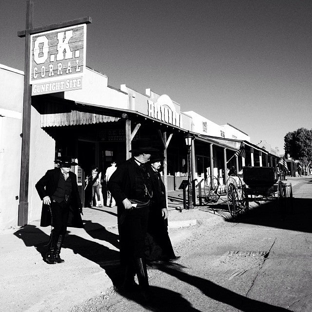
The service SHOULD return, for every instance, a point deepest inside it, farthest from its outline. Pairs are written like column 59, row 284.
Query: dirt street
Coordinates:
column 260, row 262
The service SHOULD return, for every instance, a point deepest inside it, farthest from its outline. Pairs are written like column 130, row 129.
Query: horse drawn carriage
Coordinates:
column 257, row 184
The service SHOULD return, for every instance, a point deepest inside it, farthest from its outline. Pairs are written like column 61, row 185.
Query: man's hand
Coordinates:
column 46, row 200
column 127, row 203
column 80, row 210
column 164, row 213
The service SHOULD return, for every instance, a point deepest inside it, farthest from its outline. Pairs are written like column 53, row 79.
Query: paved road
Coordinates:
column 260, row 262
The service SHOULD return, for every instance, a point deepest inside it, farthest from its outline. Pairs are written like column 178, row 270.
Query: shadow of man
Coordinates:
column 217, row 292
column 97, row 231
column 34, row 237
column 289, row 214
column 106, row 258
column 163, row 300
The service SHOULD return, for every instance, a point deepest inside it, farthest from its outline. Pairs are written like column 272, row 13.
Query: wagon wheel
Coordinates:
column 235, row 196
column 210, row 190
column 289, row 195
column 232, row 197
column 285, row 198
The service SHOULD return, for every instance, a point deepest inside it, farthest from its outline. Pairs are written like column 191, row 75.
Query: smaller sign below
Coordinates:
column 183, row 185
column 57, row 86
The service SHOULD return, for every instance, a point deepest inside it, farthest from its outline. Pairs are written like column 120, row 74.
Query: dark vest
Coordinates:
column 143, row 184
column 63, row 190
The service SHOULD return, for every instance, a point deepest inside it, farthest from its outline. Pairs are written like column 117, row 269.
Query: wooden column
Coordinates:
column 243, row 161
column 211, row 162
column 266, row 157
column 225, row 166
column 165, row 142
column 24, row 174
column 128, row 137
column 237, row 164
column 193, row 159
column 252, row 157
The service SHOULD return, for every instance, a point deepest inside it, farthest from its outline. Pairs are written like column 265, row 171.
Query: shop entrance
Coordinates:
column 202, row 167
column 99, row 154
column 87, row 157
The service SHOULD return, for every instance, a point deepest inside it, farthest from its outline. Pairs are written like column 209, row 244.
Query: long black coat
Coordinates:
column 123, row 183
column 157, row 225
column 126, row 182
column 47, row 185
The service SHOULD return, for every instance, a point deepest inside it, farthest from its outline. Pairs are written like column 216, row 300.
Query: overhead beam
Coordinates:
column 83, row 20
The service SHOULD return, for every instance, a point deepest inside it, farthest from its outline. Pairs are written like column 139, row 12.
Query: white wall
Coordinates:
column 42, row 148
column 11, row 100
column 234, row 133
column 202, row 125
column 10, row 151
column 42, row 151
column 95, row 90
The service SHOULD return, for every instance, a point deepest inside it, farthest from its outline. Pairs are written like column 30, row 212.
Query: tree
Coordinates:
column 298, row 144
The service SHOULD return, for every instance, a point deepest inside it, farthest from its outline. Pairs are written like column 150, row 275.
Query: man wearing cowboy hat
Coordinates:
column 61, row 207
column 131, row 187
column 158, row 240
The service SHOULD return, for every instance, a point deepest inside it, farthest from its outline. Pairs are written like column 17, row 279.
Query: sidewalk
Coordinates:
column 29, row 284
column 90, row 254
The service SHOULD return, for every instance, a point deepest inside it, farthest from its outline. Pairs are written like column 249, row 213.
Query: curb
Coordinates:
column 181, row 224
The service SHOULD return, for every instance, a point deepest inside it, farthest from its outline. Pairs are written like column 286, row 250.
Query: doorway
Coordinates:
column 87, row 157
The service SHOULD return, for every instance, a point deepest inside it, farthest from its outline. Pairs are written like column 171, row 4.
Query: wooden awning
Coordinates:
column 74, row 118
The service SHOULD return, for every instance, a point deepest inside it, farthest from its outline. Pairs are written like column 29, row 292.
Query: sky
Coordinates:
column 243, row 62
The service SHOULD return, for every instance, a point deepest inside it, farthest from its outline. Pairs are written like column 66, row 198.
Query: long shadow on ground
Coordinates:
column 280, row 215
column 105, row 257
column 166, row 300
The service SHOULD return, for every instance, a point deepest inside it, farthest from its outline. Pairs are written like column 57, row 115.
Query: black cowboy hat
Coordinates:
column 141, row 146
column 156, row 157
column 65, row 161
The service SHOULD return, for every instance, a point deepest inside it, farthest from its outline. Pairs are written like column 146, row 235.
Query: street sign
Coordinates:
column 57, row 60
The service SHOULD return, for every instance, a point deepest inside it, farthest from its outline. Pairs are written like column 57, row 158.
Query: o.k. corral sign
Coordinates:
column 57, row 60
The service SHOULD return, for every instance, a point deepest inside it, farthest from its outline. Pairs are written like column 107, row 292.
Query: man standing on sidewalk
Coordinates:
column 159, row 243
column 109, row 171
column 61, row 207
column 131, row 187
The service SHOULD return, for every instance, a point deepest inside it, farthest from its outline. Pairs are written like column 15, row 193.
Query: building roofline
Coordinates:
column 11, row 69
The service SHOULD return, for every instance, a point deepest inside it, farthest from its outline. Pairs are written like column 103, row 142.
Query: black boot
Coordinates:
column 141, row 271
column 129, row 284
column 50, row 256
column 57, row 257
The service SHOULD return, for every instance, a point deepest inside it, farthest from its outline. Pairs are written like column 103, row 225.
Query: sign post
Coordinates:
column 24, row 174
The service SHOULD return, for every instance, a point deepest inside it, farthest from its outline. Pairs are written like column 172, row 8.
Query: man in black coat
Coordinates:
column 159, row 245
column 131, row 187
column 61, row 207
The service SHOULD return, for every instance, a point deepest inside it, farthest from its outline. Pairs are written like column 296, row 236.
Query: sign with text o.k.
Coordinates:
column 58, row 56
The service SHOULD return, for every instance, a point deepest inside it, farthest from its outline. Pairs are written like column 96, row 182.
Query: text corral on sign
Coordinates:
column 57, row 55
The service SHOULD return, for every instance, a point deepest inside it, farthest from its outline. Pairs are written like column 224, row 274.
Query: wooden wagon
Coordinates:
column 256, row 184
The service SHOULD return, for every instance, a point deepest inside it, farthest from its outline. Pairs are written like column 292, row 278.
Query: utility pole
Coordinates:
column 24, row 174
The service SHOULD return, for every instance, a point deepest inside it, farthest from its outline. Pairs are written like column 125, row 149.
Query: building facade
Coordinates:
column 97, row 124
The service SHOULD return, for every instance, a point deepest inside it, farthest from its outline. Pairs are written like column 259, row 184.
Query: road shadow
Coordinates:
column 106, row 258
column 209, row 289
column 161, row 300
column 97, row 231
column 165, row 300
column 282, row 215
